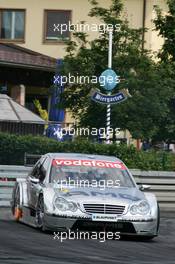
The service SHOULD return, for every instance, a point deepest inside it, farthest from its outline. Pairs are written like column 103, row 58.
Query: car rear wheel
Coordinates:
column 40, row 213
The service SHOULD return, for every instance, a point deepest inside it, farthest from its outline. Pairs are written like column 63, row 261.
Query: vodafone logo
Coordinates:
column 89, row 163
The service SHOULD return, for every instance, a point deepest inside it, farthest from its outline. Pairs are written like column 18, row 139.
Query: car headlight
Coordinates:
column 141, row 208
column 133, row 209
column 63, row 205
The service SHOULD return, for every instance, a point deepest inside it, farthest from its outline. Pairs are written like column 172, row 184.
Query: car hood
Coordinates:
column 97, row 195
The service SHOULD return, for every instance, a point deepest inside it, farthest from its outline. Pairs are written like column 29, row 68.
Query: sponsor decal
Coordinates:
column 109, row 218
column 109, row 194
column 89, row 163
column 64, row 190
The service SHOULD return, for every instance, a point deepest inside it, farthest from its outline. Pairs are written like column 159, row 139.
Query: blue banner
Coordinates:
column 55, row 113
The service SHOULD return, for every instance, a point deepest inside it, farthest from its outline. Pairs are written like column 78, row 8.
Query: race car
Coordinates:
column 69, row 191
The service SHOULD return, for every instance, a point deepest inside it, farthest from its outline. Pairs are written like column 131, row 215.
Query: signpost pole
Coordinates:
column 108, row 116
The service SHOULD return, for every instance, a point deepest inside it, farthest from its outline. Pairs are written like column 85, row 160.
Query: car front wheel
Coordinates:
column 40, row 213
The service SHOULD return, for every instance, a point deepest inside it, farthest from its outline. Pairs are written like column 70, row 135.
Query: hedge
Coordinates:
column 13, row 147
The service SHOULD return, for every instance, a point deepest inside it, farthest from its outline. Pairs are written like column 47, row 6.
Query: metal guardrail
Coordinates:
column 8, row 175
column 162, row 184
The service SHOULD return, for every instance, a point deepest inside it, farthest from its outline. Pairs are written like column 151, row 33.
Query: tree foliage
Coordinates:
column 15, row 147
column 165, row 25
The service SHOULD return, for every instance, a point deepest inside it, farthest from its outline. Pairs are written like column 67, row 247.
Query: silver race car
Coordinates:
column 68, row 191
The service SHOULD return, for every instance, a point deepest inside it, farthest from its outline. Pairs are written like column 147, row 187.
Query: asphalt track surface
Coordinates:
column 21, row 244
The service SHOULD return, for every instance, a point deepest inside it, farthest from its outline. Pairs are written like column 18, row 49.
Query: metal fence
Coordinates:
column 162, row 184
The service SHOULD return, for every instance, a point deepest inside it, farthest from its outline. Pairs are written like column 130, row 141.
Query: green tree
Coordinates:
column 165, row 25
column 144, row 112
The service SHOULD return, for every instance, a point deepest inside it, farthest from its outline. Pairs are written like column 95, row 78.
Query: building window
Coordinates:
column 57, row 25
column 12, row 24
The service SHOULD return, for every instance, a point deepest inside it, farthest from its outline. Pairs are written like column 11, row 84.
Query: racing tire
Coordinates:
column 147, row 238
column 39, row 218
column 137, row 238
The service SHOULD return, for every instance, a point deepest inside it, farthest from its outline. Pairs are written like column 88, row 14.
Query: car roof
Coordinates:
column 82, row 156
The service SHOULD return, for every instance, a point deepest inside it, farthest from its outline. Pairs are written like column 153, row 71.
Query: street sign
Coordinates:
column 109, row 79
column 109, row 99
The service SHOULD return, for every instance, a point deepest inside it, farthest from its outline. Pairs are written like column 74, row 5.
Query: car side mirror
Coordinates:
column 144, row 187
column 34, row 180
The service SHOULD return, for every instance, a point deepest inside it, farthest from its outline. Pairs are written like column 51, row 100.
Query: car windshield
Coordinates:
column 90, row 173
